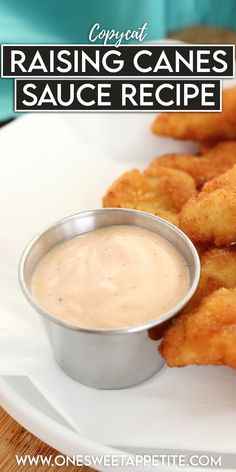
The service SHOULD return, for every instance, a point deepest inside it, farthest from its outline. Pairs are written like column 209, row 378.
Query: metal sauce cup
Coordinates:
column 102, row 358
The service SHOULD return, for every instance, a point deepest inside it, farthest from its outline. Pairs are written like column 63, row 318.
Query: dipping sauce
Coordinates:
column 113, row 277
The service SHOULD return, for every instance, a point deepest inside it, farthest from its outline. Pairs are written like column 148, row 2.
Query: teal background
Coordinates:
column 69, row 21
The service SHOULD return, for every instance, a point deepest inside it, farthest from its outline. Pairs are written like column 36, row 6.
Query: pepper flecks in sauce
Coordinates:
column 113, row 277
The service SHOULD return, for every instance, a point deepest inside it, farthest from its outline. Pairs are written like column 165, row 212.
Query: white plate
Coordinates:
column 53, row 166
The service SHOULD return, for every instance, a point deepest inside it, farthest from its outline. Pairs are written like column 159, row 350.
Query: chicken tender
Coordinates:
column 201, row 126
column 206, row 335
column 210, row 217
column 190, row 164
column 218, row 159
column 218, row 270
column 163, row 195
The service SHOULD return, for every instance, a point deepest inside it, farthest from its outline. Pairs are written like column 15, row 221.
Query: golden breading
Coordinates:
column 200, row 126
column 218, row 270
column 163, row 195
column 190, row 164
column 210, row 217
column 173, row 186
column 218, row 159
column 206, row 335
column 133, row 190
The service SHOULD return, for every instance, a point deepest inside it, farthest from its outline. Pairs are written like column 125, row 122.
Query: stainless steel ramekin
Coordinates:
column 106, row 359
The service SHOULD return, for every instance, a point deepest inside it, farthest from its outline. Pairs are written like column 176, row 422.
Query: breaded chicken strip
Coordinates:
column 221, row 157
column 133, row 190
column 218, row 270
column 210, row 217
column 215, row 161
column 164, row 195
column 200, row 126
column 206, row 335
column 186, row 163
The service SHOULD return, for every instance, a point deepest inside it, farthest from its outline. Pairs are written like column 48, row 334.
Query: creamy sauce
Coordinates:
column 111, row 277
